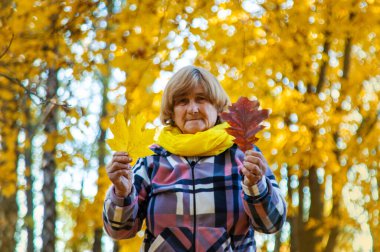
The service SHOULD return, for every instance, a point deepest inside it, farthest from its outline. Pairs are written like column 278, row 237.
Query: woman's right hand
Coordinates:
column 120, row 173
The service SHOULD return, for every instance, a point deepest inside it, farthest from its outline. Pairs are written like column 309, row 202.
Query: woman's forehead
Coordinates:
column 197, row 89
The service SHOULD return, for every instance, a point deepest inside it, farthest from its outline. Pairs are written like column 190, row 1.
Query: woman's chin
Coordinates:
column 193, row 128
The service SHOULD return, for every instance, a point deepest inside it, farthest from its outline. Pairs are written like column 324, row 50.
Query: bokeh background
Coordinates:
column 67, row 67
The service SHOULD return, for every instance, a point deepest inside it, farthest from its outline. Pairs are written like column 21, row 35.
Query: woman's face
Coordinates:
column 193, row 112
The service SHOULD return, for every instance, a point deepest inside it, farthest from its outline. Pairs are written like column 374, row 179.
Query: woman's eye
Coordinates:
column 201, row 98
column 180, row 101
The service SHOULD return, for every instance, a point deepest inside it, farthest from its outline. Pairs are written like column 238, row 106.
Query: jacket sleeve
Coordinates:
column 264, row 204
column 123, row 217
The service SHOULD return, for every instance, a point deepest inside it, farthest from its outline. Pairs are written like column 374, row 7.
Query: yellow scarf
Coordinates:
column 205, row 143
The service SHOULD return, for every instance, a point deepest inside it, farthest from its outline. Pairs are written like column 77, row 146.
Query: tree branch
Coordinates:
column 9, row 45
column 29, row 92
column 322, row 73
column 347, row 57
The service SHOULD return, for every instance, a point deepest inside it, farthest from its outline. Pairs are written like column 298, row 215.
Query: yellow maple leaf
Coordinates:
column 132, row 138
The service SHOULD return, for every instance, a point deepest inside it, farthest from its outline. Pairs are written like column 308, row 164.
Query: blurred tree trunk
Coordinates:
column 335, row 212
column 29, row 134
column 315, row 212
column 312, row 240
column 101, row 157
column 277, row 242
column 374, row 225
column 8, row 220
column 8, row 217
column 293, row 234
column 331, row 243
column 292, row 216
column 116, row 246
column 9, row 148
column 49, row 166
column 299, row 231
column 97, row 246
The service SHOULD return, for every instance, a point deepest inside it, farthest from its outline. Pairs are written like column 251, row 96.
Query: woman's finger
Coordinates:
column 118, row 166
column 255, row 160
column 117, row 176
column 254, row 153
column 122, row 159
column 253, row 168
column 121, row 153
column 258, row 162
column 252, row 179
column 258, row 158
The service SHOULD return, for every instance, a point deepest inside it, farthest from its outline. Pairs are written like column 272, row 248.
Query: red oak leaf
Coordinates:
column 244, row 118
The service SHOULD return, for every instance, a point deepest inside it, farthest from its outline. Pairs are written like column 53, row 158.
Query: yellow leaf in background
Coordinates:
column 132, row 138
column 8, row 189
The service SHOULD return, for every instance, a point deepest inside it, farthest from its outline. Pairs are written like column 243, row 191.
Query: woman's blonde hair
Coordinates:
column 187, row 79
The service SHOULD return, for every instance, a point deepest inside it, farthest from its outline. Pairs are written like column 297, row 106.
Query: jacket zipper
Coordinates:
column 192, row 164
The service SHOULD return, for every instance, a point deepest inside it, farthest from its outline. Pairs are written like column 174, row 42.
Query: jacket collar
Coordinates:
column 159, row 150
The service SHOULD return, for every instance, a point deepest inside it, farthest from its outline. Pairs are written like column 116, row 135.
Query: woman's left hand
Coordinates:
column 254, row 168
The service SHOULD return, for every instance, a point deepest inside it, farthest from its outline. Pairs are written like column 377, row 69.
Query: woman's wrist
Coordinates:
column 122, row 193
column 249, row 183
column 258, row 189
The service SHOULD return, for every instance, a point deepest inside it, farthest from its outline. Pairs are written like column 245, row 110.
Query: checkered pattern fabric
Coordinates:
column 195, row 206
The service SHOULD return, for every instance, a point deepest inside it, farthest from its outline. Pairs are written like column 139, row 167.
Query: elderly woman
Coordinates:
column 199, row 191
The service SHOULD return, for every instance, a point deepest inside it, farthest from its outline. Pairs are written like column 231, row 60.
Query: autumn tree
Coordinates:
column 32, row 67
column 314, row 64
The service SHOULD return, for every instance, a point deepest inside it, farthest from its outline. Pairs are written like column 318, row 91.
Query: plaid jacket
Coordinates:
column 196, row 206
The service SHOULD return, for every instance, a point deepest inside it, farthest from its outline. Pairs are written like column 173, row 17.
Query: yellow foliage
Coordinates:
column 103, row 184
column 132, row 244
column 52, row 140
column 276, row 56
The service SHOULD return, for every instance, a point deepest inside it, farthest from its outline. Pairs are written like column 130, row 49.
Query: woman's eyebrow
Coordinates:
column 201, row 93
column 179, row 96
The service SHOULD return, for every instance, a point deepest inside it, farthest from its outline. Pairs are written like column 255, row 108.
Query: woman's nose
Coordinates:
column 193, row 107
